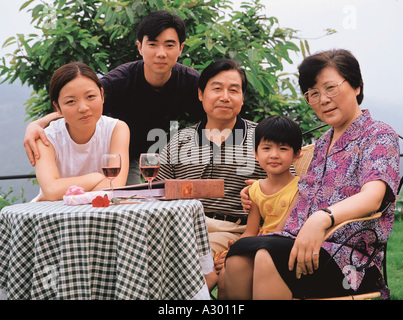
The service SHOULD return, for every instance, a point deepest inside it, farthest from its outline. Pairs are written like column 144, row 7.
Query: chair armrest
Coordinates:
column 333, row 229
column 330, row 231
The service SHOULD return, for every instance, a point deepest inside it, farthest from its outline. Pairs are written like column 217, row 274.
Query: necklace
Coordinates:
column 332, row 142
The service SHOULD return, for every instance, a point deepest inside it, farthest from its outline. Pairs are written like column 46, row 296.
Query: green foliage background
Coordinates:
column 102, row 34
column 8, row 197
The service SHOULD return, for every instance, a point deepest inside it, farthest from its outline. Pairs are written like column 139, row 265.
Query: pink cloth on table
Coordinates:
column 85, row 198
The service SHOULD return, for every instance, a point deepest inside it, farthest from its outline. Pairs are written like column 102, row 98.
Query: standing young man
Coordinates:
column 146, row 94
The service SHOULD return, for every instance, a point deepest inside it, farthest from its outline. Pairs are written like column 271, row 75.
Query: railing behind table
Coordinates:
column 23, row 176
column 33, row 176
column 8, row 197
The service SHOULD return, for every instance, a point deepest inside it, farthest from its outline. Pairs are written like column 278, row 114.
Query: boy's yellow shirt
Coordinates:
column 273, row 207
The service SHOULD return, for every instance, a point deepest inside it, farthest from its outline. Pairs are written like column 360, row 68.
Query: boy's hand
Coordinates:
column 219, row 258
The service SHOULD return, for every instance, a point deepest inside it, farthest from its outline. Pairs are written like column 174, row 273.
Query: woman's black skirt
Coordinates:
column 326, row 281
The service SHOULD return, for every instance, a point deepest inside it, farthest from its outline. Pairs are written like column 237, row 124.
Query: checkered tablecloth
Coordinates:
column 134, row 251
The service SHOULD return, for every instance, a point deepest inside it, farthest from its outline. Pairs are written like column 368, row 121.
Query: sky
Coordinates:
column 371, row 29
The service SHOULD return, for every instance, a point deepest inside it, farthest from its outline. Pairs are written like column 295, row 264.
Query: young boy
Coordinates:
column 278, row 141
column 277, row 144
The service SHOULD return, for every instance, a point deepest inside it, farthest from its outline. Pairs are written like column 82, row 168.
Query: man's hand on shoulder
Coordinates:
column 35, row 131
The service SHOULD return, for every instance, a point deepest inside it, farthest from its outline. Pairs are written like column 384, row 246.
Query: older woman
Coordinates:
column 354, row 172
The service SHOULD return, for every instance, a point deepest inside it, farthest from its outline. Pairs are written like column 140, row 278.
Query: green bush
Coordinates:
column 395, row 261
column 7, row 198
column 101, row 33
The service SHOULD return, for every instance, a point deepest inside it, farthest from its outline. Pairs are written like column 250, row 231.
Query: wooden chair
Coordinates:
column 301, row 166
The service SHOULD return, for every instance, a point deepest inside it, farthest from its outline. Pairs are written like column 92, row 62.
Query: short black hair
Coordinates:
column 340, row 59
column 279, row 129
column 158, row 21
column 218, row 66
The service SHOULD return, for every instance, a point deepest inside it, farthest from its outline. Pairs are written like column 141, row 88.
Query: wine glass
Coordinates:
column 149, row 167
column 111, row 164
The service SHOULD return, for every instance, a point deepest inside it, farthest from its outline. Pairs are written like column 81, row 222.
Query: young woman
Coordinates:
column 354, row 172
column 81, row 137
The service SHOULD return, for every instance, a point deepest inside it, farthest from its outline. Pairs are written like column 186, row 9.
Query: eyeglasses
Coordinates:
column 330, row 89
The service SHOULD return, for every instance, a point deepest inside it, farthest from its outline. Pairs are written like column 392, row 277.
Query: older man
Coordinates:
column 218, row 147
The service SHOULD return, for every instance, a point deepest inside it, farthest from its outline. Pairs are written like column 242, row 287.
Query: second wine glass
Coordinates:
column 111, row 165
column 149, row 167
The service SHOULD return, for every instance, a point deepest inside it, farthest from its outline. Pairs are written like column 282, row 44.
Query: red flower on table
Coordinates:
column 101, row 201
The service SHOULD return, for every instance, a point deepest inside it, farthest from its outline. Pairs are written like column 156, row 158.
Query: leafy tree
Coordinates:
column 101, row 33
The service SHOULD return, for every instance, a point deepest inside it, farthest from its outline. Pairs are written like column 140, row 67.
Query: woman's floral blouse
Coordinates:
column 368, row 150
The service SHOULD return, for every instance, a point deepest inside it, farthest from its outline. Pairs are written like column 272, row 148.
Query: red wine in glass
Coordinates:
column 149, row 173
column 111, row 164
column 111, row 172
column 149, row 167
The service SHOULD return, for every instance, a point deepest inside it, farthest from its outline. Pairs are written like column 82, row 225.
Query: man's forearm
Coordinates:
column 45, row 120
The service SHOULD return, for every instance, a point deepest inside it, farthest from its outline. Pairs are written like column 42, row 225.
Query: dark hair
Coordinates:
column 158, row 21
column 216, row 67
column 67, row 73
column 279, row 129
column 342, row 60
